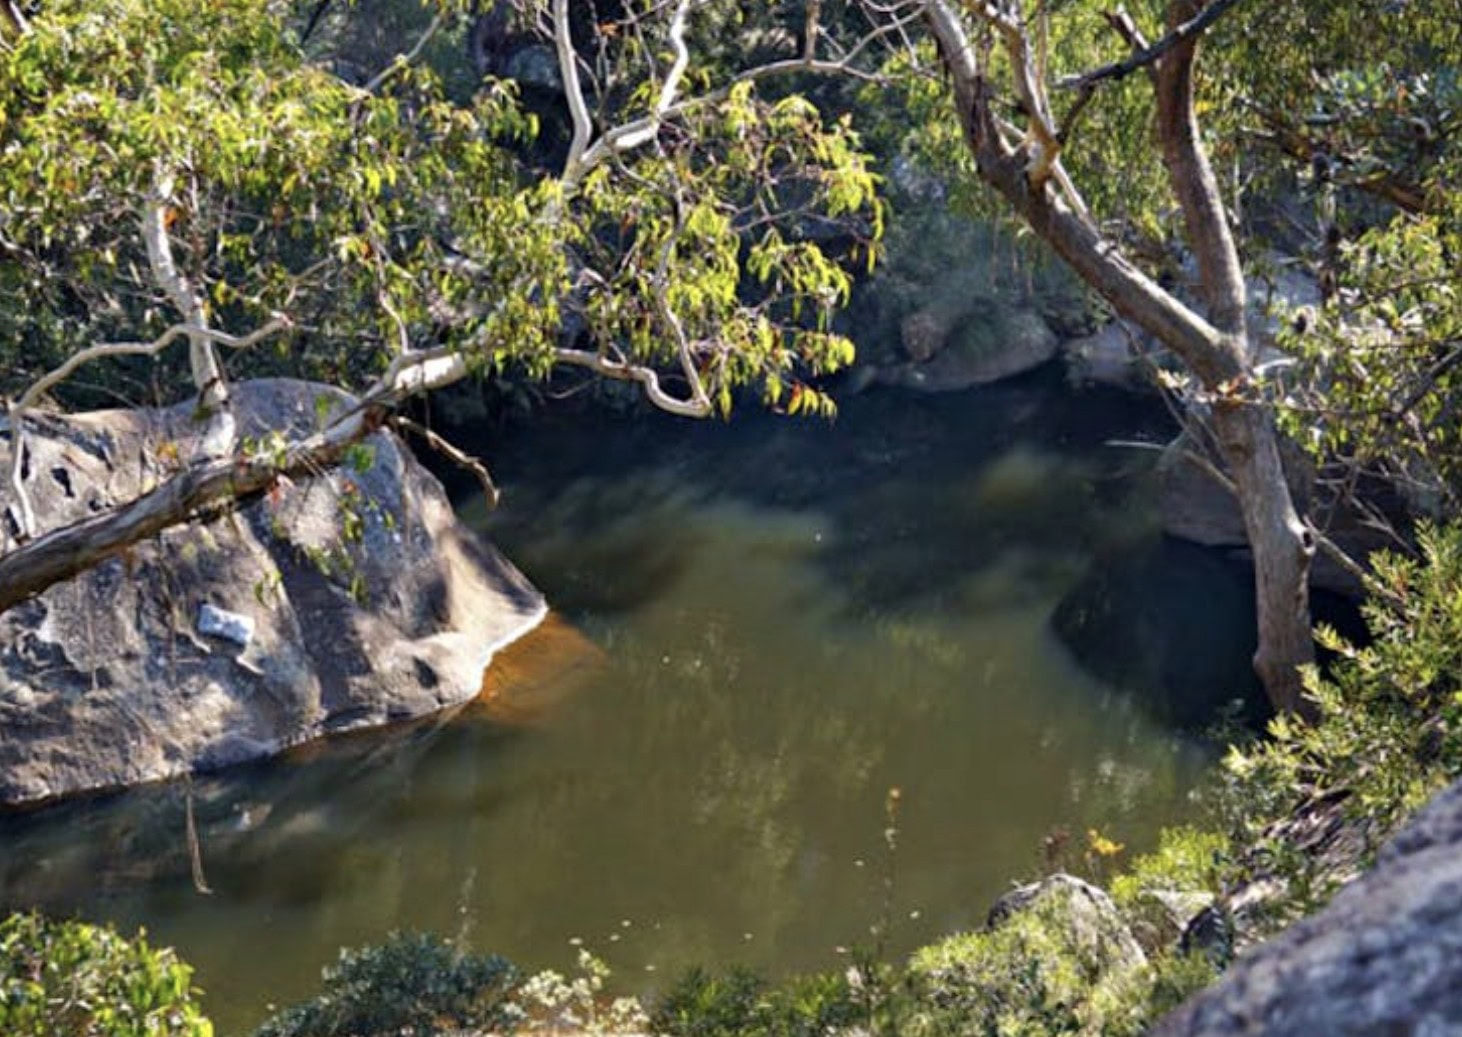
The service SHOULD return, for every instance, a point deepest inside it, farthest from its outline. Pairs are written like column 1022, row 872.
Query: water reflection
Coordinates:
column 788, row 621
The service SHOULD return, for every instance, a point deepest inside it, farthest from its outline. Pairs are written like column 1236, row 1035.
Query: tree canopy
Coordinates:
column 183, row 171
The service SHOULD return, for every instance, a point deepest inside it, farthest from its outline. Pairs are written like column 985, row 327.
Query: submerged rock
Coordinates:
column 364, row 601
column 1384, row 958
column 1174, row 624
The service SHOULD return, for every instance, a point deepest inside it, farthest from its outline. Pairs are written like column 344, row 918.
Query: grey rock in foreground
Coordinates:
column 1385, row 957
column 109, row 680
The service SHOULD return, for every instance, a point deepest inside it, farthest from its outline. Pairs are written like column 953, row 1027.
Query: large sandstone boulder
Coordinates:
column 1384, row 958
column 344, row 601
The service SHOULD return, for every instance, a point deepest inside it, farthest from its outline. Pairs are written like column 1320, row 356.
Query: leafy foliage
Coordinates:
column 64, row 977
column 412, row 983
column 1187, row 858
column 1379, row 377
column 1372, row 97
column 394, row 219
column 741, row 1004
column 291, row 191
column 1390, row 732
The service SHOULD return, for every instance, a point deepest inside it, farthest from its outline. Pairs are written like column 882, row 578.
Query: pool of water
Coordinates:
column 763, row 628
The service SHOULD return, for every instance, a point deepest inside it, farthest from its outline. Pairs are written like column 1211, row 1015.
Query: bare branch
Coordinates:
column 48, row 381
column 648, row 377
column 456, row 455
column 14, row 19
column 568, row 70
column 1147, row 55
column 632, row 134
column 29, row 398
column 401, row 61
column 207, row 373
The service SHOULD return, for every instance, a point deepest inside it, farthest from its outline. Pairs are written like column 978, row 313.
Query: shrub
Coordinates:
column 80, row 980
column 1390, row 728
column 412, row 984
column 741, row 1004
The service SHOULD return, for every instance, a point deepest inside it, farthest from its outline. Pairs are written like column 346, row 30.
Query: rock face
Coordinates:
column 1384, row 958
column 341, row 602
column 1193, row 506
column 950, row 351
column 1124, row 356
column 1092, row 922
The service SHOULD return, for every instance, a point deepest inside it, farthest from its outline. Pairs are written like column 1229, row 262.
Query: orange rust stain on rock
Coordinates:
column 537, row 672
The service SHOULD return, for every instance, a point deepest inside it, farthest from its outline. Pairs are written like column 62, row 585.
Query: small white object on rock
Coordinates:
column 231, row 626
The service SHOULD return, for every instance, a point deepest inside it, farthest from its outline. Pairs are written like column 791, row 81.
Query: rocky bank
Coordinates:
column 341, row 602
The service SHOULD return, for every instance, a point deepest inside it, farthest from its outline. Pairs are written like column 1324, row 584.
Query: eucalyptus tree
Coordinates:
column 1368, row 119
column 1027, row 99
column 176, row 172
column 1094, row 129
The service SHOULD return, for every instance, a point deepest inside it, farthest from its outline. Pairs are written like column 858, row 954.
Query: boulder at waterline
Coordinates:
column 239, row 634
column 1057, row 950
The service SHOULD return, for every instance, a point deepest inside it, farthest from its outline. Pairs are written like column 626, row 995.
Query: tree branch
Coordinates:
column 696, row 407
column 12, row 16
column 1097, row 260
column 401, row 61
column 459, row 457
column 1148, row 54
column 639, row 131
column 207, row 373
column 102, row 350
column 1192, row 179
column 568, row 71
column 63, row 553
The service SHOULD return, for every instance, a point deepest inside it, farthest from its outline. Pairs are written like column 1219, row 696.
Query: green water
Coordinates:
column 794, row 620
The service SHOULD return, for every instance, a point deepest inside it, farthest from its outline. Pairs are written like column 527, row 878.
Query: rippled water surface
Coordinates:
column 762, row 629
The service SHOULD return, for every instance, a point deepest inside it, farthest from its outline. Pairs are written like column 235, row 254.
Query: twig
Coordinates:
column 457, row 456
column 648, row 377
column 101, row 350
column 195, row 851
column 1147, row 55
column 404, row 60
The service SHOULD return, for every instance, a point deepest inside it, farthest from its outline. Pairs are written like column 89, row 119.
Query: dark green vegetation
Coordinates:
column 410, row 983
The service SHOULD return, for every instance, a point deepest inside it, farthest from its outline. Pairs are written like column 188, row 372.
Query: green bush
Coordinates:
column 742, row 1004
column 1389, row 733
column 412, row 984
column 1046, row 971
column 78, row 980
